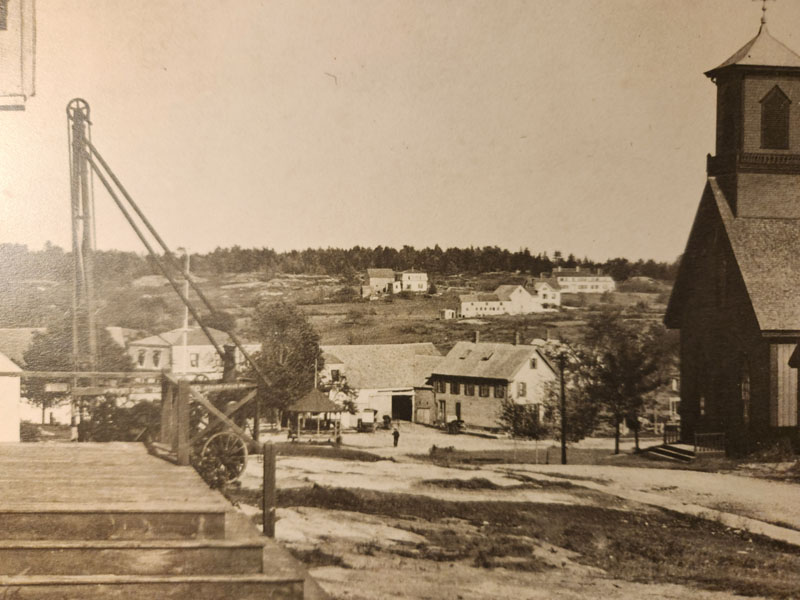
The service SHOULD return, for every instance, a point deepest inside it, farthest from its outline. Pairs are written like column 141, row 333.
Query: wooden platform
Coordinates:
column 111, row 521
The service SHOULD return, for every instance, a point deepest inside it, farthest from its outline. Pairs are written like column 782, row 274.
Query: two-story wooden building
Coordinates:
column 474, row 378
column 735, row 299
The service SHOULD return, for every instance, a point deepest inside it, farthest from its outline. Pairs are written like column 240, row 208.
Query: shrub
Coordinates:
column 108, row 422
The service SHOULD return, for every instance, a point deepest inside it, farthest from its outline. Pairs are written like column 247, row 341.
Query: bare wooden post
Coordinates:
column 167, row 400
column 270, row 496
column 183, row 423
column 257, row 412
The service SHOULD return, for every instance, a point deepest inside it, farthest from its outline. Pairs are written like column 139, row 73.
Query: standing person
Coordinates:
column 396, row 436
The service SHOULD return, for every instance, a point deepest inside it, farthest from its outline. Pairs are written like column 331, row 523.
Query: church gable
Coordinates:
column 706, row 256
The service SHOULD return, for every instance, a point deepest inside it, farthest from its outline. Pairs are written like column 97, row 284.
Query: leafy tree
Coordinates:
column 622, row 365
column 289, row 352
column 52, row 351
column 582, row 409
column 522, row 420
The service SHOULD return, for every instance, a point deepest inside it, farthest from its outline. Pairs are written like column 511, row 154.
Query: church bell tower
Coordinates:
column 757, row 161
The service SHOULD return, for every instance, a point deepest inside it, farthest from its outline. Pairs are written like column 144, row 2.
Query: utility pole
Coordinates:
column 562, row 359
column 84, row 325
column 185, row 339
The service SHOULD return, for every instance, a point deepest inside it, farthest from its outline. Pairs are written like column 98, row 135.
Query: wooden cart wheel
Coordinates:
column 229, row 452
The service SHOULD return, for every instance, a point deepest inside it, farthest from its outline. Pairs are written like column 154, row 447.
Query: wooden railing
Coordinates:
column 176, row 397
column 709, row 443
column 672, row 433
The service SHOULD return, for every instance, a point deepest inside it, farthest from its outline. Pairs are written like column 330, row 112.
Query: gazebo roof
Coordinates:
column 315, row 402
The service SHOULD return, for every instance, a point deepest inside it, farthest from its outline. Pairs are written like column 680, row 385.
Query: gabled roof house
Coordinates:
column 388, row 379
column 474, row 378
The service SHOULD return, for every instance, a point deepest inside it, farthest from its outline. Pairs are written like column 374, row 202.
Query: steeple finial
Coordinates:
column 763, row 12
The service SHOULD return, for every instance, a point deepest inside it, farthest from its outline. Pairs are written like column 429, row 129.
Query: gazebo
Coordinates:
column 315, row 405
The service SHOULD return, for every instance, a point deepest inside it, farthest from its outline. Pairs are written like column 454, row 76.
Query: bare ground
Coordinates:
column 407, row 529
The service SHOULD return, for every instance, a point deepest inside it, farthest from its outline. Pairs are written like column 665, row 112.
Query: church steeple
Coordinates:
column 758, row 128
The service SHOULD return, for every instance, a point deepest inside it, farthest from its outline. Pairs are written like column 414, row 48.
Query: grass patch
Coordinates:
column 325, row 451
column 651, row 546
column 575, row 456
column 318, row 558
column 476, row 483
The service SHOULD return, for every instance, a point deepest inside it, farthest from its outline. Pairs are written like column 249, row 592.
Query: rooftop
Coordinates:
column 767, row 252
column 504, row 292
column 486, row 360
column 380, row 273
column 551, row 281
column 195, row 337
column 763, row 51
column 315, row 402
column 479, row 297
column 15, row 341
column 378, row 366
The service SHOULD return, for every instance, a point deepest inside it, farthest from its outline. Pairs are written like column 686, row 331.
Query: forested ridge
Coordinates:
column 52, row 263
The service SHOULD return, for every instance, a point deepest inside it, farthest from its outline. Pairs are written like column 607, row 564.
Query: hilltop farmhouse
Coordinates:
column 511, row 300
column 474, row 378
column 735, row 299
column 386, row 281
column 577, row 281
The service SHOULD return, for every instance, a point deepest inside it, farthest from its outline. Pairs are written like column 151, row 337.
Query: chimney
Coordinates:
column 516, row 338
column 476, row 336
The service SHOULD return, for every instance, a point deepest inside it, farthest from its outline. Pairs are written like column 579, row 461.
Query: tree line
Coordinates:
column 17, row 262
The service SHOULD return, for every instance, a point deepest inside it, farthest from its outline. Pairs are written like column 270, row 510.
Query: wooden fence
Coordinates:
column 709, row 443
column 672, row 433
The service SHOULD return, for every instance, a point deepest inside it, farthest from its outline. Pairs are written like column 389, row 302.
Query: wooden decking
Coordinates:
column 111, row 521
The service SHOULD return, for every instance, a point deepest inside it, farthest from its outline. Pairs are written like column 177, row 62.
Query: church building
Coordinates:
column 736, row 299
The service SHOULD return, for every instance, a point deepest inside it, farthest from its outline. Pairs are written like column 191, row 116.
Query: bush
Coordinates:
column 28, row 432
column 108, row 422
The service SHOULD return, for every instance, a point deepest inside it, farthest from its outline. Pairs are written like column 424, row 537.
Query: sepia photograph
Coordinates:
column 399, row 299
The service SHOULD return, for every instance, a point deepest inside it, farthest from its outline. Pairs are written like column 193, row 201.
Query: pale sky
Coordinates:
column 579, row 125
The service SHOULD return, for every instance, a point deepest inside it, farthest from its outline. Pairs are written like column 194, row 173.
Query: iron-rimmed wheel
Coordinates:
column 229, row 452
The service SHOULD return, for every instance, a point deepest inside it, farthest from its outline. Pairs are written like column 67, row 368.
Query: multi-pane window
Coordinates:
column 439, row 386
column 500, row 391
column 533, row 363
column 522, row 389
column 140, row 357
column 483, row 391
column 194, row 359
column 469, row 389
column 3, row 15
column 156, row 357
column 775, row 120
column 334, row 374
column 455, row 387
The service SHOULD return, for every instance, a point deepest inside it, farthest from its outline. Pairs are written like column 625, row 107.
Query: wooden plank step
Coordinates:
column 668, row 454
column 112, row 587
column 210, row 557
column 685, row 450
column 101, row 523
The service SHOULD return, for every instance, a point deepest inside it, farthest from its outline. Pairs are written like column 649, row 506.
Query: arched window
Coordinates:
column 775, row 120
